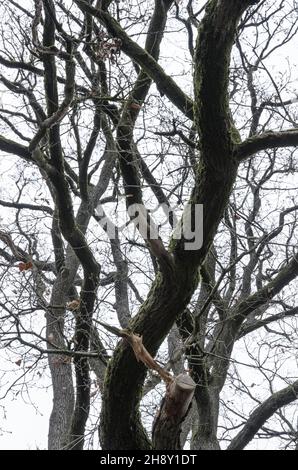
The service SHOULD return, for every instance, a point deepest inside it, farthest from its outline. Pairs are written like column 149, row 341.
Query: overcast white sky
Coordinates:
column 21, row 425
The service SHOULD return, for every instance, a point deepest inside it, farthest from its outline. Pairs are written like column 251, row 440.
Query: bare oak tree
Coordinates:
column 108, row 105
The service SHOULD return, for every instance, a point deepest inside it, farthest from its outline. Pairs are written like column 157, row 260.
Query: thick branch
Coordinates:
column 225, row 340
column 268, row 140
column 31, row 207
column 9, row 146
column 251, row 303
column 246, row 329
column 262, row 413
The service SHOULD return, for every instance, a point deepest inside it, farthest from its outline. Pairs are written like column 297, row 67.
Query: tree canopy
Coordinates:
column 148, row 238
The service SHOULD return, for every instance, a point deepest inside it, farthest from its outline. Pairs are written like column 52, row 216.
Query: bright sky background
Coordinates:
column 24, row 426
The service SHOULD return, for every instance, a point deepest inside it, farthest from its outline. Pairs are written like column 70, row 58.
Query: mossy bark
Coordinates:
column 171, row 293
column 120, row 425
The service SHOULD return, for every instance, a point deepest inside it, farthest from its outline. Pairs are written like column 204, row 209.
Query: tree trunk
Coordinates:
column 61, row 373
column 173, row 411
column 205, row 437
